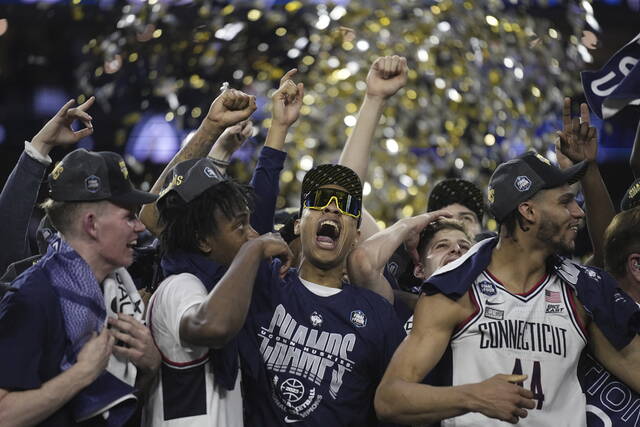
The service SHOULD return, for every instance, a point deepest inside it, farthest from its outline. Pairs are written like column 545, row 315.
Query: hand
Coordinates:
column 417, row 224
column 499, row 397
column 232, row 138
column 58, row 131
column 274, row 246
column 387, row 75
column 577, row 141
column 287, row 100
column 228, row 109
column 140, row 348
column 94, row 354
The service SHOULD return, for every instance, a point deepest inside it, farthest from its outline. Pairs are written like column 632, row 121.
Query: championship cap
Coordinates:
column 190, row 178
column 631, row 198
column 456, row 190
column 88, row 176
column 521, row 178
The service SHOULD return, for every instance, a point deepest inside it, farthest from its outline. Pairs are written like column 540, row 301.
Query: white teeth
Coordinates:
column 330, row 222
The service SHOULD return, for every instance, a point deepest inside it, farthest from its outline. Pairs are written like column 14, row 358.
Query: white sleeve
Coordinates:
column 173, row 298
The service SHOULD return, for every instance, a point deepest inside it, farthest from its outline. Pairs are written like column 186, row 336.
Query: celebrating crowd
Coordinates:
column 183, row 306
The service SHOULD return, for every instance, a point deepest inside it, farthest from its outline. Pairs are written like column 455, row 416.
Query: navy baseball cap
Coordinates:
column 191, row 178
column 456, row 190
column 631, row 198
column 519, row 179
column 88, row 176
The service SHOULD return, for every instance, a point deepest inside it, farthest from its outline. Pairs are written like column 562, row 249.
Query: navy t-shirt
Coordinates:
column 314, row 360
column 32, row 338
column 610, row 402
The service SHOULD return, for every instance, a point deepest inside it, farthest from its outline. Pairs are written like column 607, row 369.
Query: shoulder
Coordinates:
column 32, row 288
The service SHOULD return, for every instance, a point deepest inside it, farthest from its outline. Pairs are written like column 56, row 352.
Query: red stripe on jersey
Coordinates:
column 462, row 324
column 523, row 294
column 575, row 311
column 165, row 358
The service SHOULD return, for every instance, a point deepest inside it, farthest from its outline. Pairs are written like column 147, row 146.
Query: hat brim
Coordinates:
column 134, row 198
column 570, row 175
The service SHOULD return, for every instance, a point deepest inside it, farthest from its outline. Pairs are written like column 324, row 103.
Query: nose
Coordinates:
column 138, row 226
column 331, row 207
column 576, row 210
column 456, row 249
column 252, row 233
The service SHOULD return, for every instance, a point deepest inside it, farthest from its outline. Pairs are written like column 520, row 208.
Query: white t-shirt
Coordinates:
column 185, row 394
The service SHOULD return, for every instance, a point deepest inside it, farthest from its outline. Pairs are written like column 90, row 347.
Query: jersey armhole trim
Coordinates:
column 575, row 317
column 462, row 326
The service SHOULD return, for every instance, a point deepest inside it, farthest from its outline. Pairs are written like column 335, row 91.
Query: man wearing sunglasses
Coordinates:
column 314, row 347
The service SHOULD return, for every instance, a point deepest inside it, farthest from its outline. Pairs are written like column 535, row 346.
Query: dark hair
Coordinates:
column 185, row 225
column 621, row 239
column 511, row 221
column 442, row 224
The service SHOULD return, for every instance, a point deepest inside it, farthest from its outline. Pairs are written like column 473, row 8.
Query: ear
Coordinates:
column 296, row 227
column 528, row 211
column 89, row 223
column 633, row 266
column 204, row 246
column 418, row 271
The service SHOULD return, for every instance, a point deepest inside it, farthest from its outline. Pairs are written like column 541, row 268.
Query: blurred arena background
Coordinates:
column 486, row 83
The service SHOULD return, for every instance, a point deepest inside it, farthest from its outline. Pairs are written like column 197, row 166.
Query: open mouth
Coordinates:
column 328, row 234
column 132, row 244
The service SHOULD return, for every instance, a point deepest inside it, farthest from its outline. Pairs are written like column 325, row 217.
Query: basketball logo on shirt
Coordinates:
column 292, row 390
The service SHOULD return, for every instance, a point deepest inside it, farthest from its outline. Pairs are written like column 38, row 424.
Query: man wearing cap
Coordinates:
column 194, row 315
column 314, row 347
column 54, row 322
column 507, row 315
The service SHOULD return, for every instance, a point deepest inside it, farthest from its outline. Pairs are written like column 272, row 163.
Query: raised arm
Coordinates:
column 401, row 398
column 386, row 76
column 220, row 316
column 227, row 144
column 20, row 192
column 367, row 261
column 286, row 104
column 228, row 109
column 576, row 142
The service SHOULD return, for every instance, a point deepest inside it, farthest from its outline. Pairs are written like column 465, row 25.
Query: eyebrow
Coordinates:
column 567, row 197
column 241, row 217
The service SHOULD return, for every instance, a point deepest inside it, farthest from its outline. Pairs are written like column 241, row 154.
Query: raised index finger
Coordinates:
column 584, row 113
column 62, row 111
column 566, row 114
column 86, row 104
column 288, row 75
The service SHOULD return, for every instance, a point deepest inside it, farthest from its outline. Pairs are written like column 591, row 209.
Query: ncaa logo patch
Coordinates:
column 487, row 288
column 316, row 319
column 92, row 184
column 522, row 183
column 209, row 172
column 358, row 319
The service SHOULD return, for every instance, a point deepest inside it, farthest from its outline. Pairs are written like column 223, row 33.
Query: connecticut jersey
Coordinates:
column 537, row 334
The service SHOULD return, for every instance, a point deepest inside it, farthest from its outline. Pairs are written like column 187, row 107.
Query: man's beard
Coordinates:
column 548, row 232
